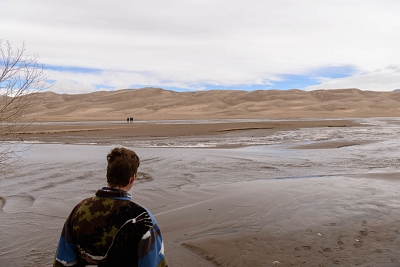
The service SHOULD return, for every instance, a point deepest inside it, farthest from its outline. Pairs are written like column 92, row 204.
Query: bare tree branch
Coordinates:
column 20, row 77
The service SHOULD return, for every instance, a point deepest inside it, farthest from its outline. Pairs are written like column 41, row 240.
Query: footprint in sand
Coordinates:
column 143, row 177
column 358, row 244
column 341, row 245
column 13, row 204
column 364, row 233
column 2, row 202
column 302, row 248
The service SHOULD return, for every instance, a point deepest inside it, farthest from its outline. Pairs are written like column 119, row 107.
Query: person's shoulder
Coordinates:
column 135, row 206
column 143, row 209
column 138, row 208
column 86, row 201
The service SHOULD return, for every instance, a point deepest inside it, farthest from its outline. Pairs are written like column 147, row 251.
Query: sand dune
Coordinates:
column 155, row 103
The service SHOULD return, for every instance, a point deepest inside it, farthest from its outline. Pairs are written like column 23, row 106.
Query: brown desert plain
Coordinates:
column 158, row 104
column 346, row 221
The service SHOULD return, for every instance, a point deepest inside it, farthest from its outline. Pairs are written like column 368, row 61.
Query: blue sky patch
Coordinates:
column 72, row 69
column 311, row 77
column 106, row 87
column 333, row 72
column 290, row 81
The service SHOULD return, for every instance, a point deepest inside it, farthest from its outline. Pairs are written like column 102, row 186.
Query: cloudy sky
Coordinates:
column 188, row 45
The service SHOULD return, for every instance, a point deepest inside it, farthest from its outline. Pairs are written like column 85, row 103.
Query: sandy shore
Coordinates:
column 212, row 205
column 306, row 222
column 106, row 132
column 159, row 104
column 325, row 196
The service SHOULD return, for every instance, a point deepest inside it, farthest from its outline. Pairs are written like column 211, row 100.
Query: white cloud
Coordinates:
column 70, row 87
column 386, row 79
column 198, row 42
column 126, row 79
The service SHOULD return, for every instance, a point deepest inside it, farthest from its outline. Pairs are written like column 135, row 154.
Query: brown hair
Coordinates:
column 122, row 165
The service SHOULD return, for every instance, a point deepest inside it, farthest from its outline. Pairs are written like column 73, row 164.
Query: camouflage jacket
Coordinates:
column 110, row 230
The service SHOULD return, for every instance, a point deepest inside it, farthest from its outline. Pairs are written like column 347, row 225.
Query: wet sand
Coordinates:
column 307, row 222
column 330, row 201
column 107, row 132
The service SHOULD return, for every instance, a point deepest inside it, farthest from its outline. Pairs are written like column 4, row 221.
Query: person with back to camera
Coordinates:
column 109, row 229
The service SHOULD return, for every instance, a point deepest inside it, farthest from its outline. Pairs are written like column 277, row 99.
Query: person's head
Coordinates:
column 122, row 165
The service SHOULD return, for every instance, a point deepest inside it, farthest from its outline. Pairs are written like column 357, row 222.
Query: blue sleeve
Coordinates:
column 67, row 253
column 151, row 247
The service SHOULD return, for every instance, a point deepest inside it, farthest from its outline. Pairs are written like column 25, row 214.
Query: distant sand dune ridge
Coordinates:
column 155, row 103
